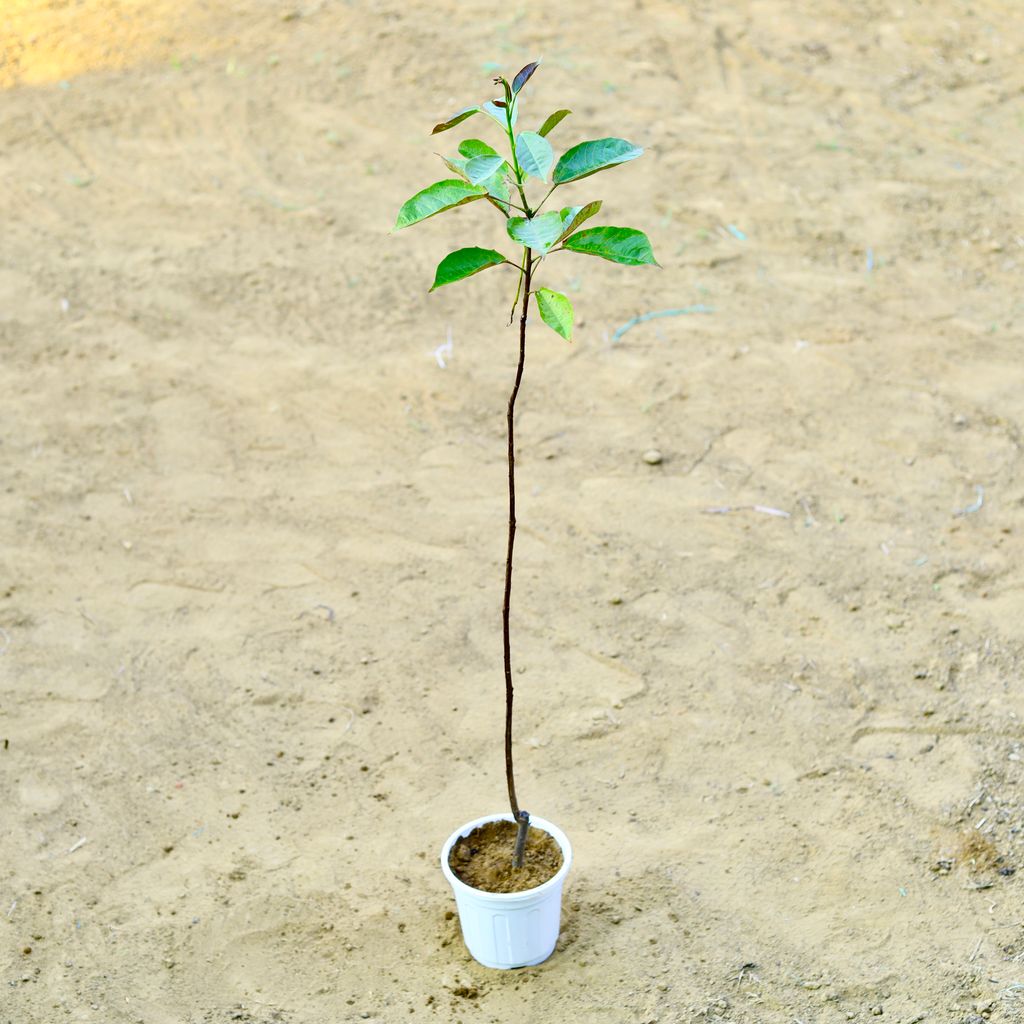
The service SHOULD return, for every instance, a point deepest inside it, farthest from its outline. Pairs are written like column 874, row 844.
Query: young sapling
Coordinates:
column 484, row 173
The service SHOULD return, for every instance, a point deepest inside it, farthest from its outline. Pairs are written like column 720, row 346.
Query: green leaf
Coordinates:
column 436, row 198
column 538, row 233
column 534, row 154
column 590, row 157
column 492, row 109
column 455, row 166
column 470, row 148
column 457, row 119
column 524, row 76
column 620, row 245
column 574, row 216
column 553, row 120
column 480, row 168
column 555, row 311
column 465, row 263
column 497, row 191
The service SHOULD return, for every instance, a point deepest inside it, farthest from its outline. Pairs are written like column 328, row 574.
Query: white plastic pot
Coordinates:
column 510, row 929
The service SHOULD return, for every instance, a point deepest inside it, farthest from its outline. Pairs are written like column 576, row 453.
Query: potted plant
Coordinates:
column 507, row 870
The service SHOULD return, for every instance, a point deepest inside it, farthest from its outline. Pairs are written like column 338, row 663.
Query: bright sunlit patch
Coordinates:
column 44, row 41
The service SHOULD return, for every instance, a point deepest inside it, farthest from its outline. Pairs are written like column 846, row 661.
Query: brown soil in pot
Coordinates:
column 483, row 859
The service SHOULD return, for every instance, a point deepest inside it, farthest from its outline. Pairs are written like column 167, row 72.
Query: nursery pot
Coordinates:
column 509, row 929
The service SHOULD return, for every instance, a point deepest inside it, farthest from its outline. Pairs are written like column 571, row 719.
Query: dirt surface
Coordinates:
column 483, row 859
column 252, row 532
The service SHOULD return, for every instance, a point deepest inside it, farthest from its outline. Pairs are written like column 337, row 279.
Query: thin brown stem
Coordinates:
column 512, row 537
column 513, row 205
column 521, row 833
column 519, row 288
column 545, row 199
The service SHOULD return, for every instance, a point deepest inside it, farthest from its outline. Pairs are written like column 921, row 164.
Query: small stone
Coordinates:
column 877, row 1011
column 980, row 57
column 652, row 457
column 616, row 919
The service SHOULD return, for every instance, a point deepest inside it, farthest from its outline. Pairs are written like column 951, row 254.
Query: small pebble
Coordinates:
column 652, row 457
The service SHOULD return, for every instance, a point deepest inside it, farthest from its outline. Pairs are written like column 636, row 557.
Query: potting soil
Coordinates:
column 483, row 859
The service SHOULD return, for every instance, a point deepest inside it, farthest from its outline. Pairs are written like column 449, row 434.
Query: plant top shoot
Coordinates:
column 483, row 173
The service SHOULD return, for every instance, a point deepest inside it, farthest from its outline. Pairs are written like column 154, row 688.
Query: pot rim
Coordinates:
column 508, row 897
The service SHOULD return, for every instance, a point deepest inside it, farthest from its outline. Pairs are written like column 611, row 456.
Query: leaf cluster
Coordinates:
column 484, row 173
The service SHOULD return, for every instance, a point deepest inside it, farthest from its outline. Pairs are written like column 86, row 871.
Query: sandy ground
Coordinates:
column 251, row 533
